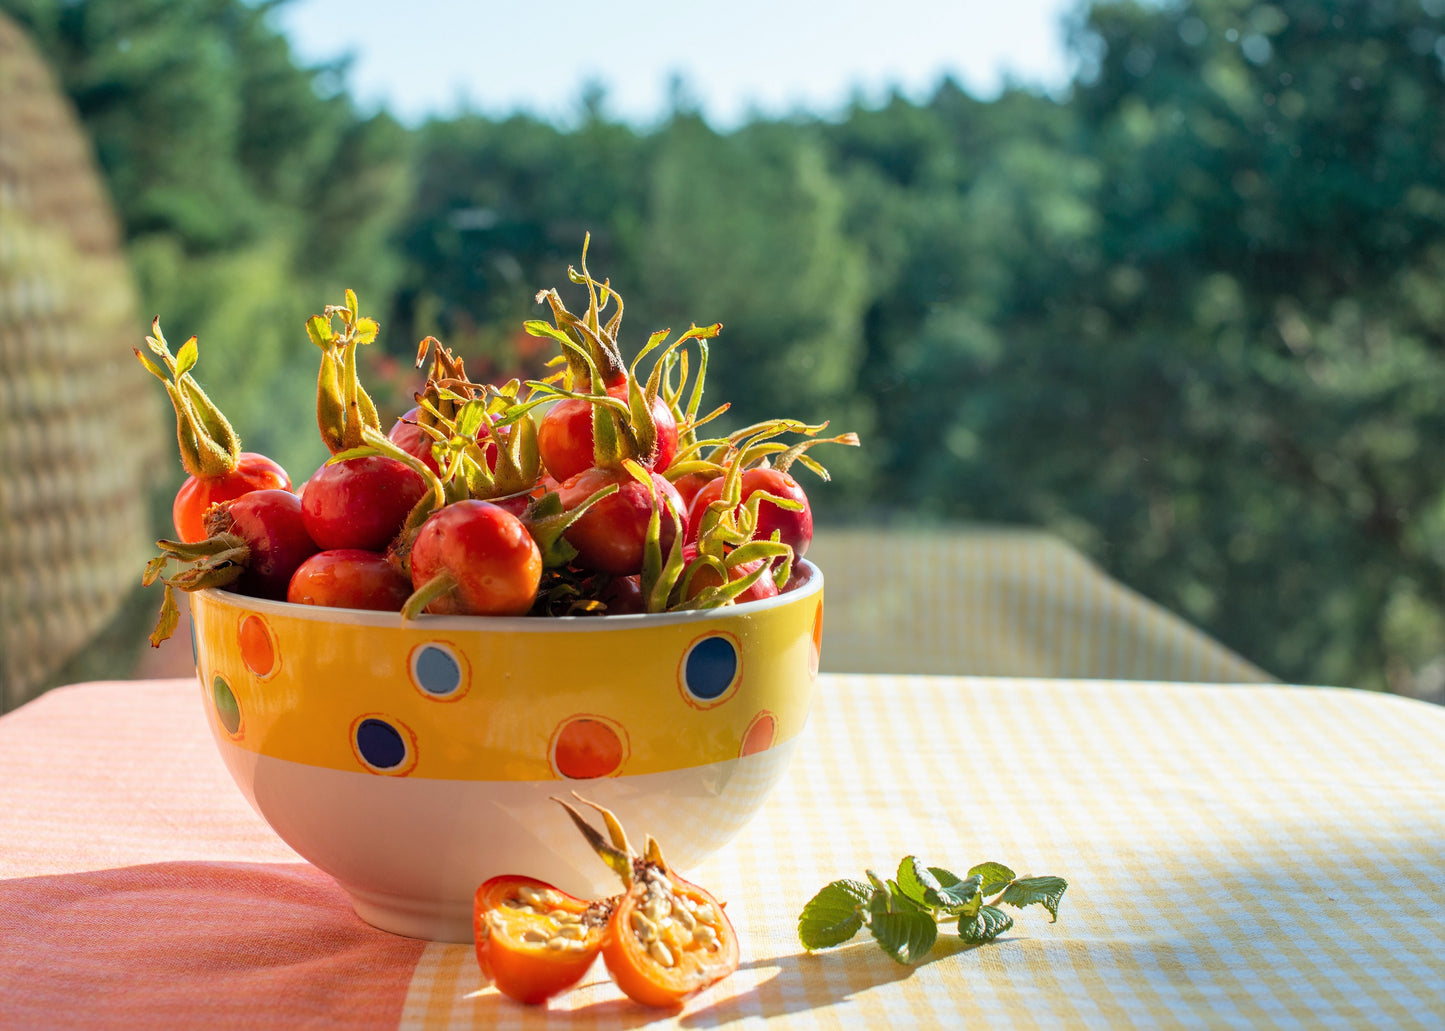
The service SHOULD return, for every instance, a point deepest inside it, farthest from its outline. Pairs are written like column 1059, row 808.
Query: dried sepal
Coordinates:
column 619, row 861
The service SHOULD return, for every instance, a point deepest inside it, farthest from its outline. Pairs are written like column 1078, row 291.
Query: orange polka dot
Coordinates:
column 585, row 747
column 759, row 735
column 257, row 650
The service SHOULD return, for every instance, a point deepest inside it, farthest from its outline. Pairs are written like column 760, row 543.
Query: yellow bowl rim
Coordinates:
column 515, row 624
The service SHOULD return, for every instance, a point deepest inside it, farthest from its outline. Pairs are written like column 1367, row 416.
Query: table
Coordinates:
column 1238, row 855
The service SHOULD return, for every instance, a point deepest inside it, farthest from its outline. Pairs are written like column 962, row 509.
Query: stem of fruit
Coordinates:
column 438, row 586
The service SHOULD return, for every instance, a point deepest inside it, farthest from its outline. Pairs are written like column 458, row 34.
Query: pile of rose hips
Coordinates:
column 663, row 939
column 591, row 491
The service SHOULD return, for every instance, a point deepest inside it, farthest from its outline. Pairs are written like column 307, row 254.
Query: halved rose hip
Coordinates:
column 533, row 940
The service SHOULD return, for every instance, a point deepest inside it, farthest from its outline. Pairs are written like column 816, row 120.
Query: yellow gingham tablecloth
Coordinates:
column 1238, row 856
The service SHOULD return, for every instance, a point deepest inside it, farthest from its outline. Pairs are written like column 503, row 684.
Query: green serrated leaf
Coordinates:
column 1048, row 891
column 906, row 936
column 833, row 915
column 903, row 904
column 915, row 881
column 366, row 331
column 985, row 926
column 995, row 876
column 960, row 897
column 186, row 359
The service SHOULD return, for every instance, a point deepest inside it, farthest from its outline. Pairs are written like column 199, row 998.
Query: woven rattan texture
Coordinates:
column 78, row 422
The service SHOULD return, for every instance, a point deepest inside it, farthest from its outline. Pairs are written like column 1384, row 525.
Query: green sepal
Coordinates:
column 150, row 366
column 994, row 876
column 318, row 328
column 330, row 408
column 546, row 521
column 986, row 925
column 1047, row 891
column 186, row 357
column 906, row 935
column 366, row 330
column 208, row 445
column 833, row 915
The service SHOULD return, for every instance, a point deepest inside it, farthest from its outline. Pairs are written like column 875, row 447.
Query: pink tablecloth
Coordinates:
column 138, row 889
column 1238, row 856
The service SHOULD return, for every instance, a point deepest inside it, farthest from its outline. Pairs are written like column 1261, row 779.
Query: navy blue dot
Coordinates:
column 437, row 671
column 380, row 744
column 710, row 668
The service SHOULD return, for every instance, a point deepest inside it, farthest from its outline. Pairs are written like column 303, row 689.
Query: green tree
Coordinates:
column 251, row 190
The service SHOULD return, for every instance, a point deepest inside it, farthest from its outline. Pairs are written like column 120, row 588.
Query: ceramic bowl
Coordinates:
column 413, row 760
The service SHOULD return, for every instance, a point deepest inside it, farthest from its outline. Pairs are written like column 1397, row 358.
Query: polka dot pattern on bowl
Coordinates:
column 495, row 700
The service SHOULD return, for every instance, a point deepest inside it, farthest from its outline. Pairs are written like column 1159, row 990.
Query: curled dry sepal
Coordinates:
column 903, row 914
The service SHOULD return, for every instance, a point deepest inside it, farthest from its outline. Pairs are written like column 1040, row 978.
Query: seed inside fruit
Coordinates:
column 644, row 928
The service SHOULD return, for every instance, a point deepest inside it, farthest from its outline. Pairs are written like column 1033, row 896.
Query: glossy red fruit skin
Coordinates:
column 610, row 537
column 565, row 441
column 517, row 504
column 198, row 494
column 271, row 524
column 412, row 439
column 794, row 528
column 689, row 484
column 623, row 596
column 360, row 502
column 348, row 578
column 487, row 551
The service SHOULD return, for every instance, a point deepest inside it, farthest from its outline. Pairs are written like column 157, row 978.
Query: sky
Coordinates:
column 435, row 57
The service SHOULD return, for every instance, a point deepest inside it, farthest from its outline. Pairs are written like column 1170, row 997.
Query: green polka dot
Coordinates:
column 227, row 711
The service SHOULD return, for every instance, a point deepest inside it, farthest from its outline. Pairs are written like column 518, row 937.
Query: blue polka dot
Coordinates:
column 711, row 666
column 380, row 744
column 436, row 670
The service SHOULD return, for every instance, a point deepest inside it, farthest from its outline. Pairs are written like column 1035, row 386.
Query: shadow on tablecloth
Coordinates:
column 195, row 944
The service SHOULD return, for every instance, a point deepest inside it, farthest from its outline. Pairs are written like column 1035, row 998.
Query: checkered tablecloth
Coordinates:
column 1239, row 856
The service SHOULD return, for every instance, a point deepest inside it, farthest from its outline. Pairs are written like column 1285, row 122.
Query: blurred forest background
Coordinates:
column 1189, row 317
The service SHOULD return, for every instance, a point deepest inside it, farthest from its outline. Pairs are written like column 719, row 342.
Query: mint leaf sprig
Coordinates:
column 903, row 913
